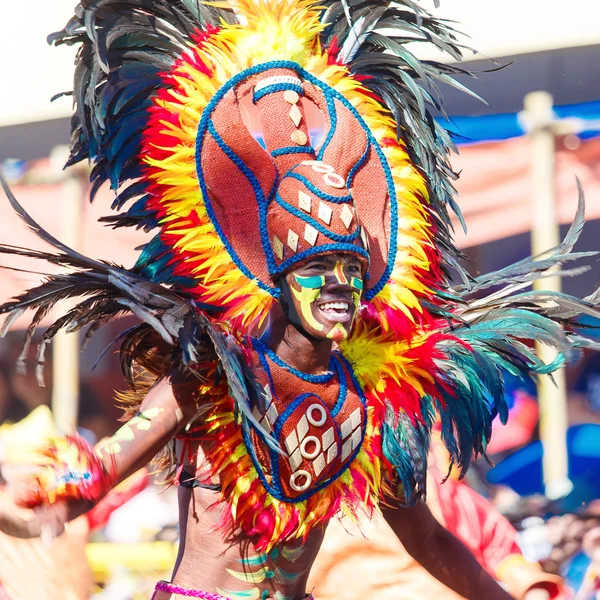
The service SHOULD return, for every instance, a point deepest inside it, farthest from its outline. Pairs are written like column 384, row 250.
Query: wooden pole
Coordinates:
column 545, row 234
column 65, row 346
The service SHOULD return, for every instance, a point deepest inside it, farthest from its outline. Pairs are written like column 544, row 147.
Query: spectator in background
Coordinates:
column 12, row 408
column 20, row 393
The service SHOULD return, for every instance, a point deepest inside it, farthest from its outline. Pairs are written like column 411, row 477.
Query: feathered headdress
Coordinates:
column 167, row 94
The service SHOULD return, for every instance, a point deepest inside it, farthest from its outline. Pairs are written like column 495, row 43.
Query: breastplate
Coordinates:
column 318, row 422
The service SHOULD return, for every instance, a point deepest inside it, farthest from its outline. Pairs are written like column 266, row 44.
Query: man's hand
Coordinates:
column 45, row 521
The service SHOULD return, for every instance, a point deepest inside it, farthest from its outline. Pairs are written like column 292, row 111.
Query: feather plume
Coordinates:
column 106, row 292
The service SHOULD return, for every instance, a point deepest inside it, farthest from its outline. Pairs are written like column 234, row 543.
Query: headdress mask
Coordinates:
column 278, row 205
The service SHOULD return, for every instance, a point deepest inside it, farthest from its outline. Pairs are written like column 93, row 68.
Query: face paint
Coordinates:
column 307, row 292
column 338, row 271
column 324, row 305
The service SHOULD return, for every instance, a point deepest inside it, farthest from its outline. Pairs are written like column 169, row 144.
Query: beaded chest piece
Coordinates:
column 318, row 421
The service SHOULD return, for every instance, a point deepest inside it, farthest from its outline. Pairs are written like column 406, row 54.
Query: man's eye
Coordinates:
column 354, row 268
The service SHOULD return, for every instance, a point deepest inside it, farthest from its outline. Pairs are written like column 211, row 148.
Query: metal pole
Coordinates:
column 65, row 346
column 545, row 234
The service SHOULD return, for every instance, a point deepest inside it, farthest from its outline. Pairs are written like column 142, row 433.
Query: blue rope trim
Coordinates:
column 338, row 237
column 260, row 197
column 276, row 87
column 324, row 378
column 332, row 124
column 327, row 91
column 351, row 248
column 317, row 192
column 357, row 166
column 293, row 150
column 361, row 395
column 275, row 292
column 275, row 490
column 343, row 389
column 265, row 365
column 370, row 294
column 238, row 162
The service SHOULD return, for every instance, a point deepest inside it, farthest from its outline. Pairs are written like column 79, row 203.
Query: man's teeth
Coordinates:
column 335, row 306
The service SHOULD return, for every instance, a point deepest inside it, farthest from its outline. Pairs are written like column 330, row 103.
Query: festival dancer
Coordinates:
column 300, row 330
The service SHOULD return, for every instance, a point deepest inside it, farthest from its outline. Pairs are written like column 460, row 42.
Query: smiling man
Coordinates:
column 325, row 295
column 301, row 332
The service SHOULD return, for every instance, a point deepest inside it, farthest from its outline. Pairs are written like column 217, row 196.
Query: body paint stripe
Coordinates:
column 258, row 559
column 292, row 554
column 255, row 577
column 338, row 270
column 317, row 281
column 253, row 594
column 286, row 577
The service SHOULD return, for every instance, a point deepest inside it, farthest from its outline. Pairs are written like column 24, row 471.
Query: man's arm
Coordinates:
column 442, row 554
column 167, row 407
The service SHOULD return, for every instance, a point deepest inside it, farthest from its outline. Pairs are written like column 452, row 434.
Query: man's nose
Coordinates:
column 337, row 281
column 339, row 275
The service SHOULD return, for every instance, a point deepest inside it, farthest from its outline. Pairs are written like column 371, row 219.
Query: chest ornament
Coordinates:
column 327, row 458
column 319, row 434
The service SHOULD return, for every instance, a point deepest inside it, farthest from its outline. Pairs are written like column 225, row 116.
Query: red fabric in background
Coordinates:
column 495, row 186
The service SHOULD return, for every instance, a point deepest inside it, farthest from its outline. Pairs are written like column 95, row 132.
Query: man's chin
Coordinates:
column 338, row 333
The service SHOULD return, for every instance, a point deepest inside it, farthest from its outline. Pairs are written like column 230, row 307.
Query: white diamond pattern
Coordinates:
column 352, row 433
column 272, row 413
column 302, row 427
column 350, row 430
column 346, row 428
column 310, row 234
column 328, row 438
column 331, row 453
column 295, row 459
column 291, row 442
column 319, row 464
column 356, row 437
column 347, row 449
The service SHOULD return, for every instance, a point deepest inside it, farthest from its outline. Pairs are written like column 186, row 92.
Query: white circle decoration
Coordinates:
column 294, row 477
column 311, row 418
column 334, row 180
column 316, row 441
column 318, row 166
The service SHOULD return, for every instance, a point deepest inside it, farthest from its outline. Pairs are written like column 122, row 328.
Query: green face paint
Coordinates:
column 307, row 295
column 357, row 283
